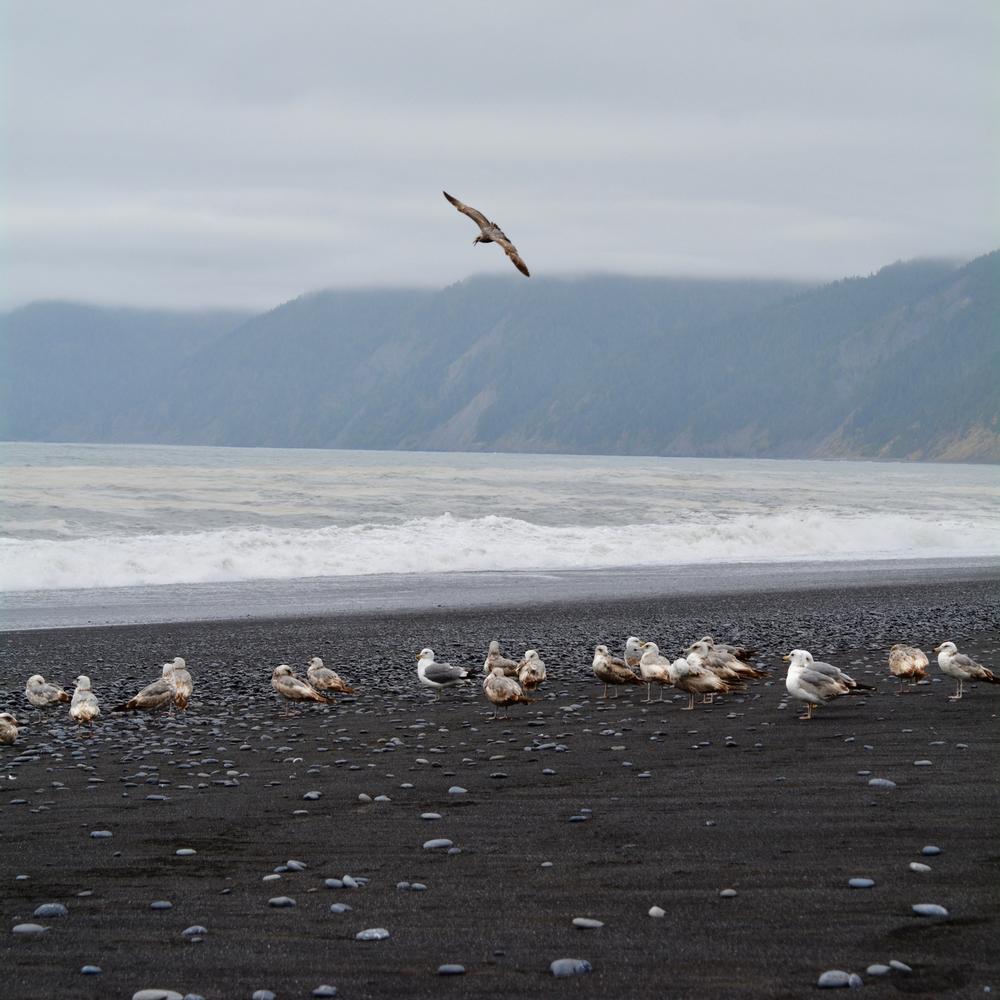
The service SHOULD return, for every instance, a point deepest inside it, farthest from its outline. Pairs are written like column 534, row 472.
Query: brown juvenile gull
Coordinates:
column 322, row 678
column 159, row 694
column 723, row 662
column 610, row 670
column 438, row 675
column 807, row 684
column 531, row 670
column 490, row 232
column 84, row 707
column 653, row 667
column 689, row 674
column 182, row 681
column 495, row 658
column 502, row 692
column 293, row 688
column 963, row 668
column 41, row 693
column 908, row 664
column 8, row 729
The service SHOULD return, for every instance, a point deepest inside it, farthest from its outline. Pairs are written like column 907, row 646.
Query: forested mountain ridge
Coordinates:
column 904, row 364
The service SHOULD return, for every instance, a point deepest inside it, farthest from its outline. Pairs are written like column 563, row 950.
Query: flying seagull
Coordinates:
column 490, row 232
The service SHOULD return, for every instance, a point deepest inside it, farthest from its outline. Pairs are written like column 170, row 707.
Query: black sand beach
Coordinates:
column 739, row 794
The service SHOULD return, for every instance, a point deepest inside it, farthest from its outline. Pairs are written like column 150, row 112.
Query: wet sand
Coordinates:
column 739, row 794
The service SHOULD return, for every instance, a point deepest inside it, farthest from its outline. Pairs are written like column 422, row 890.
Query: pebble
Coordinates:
column 100, row 834
column 312, row 796
column 436, row 843
column 878, row 970
column 372, row 934
column 161, row 904
column 727, row 893
column 899, row 966
column 587, row 923
column 930, row 850
column 929, row 910
column 90, row 970
column 325, row 991
column 333, row 883
column 861, row 883
column 29, row 930
column 921, row 763
column 570, row 967
column 281, row 901
column 430, row 815
column 195, row 932
column 263, row 995
column 916, row 866
column 185, row 852
column 457, row 790
column 657, row 911
column 881, row 783
column 340, row 908
column 364, row 798
column 157, row 995
column 834, row 978
column 50, row 910
column 451, row 970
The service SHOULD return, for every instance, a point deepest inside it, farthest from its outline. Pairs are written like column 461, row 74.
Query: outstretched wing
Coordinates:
column 477, row 217
column 511, row 251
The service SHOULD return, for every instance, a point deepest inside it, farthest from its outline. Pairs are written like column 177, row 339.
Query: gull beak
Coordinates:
column 937, row 649
column 417, row 657
column 787, row 658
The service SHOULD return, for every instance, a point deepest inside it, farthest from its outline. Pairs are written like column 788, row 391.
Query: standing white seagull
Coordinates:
column 963, row 668
column 84, row 707
column 490, row 232
column 807, row 684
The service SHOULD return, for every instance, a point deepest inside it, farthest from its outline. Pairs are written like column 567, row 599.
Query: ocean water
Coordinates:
column 121, row 518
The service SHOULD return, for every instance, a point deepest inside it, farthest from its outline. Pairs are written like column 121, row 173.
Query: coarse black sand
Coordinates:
column 739, row 794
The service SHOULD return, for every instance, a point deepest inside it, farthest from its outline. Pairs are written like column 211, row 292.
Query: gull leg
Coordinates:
column 649, row 693
column 690, row 704
column 605, row 691
column 661, row 693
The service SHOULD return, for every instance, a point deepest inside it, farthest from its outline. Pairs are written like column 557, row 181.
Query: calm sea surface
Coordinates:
column 123, row 518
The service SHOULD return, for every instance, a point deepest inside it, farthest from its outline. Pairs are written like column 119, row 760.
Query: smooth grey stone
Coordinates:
column 192, row 996
column 372, row 934
column 91, row 970
column 195, row 930
column 100, row 834
column 364, row 798
column 451, row 970
column 340, row 908
column 922, row 763
column 899, row 966
column 281, row 901
column 185, row 852
column 930, row 850
column 350, row 883
column 157, row 995
column 263, row 995
column 296, row 866
column 436, row 843
column 727, row 893
column 833, row 979
column 161, row 904
column 878, row 970
column 881, row 783
column 50, row 910
column 861, row 883
column 325, row 991
column 587, row 923
column 457, row 790
column 657, row 911
column 334, row 883
column 929, row 910
column 916, row 866
column 430, row 815
column 546, row 864
column 570, row 967
column 312, row 796
column 29, row 930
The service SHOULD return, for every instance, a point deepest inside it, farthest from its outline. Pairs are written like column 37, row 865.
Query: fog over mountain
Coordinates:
column 904, row 364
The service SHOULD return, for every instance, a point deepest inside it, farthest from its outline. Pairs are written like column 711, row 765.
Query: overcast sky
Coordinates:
column 239, row 153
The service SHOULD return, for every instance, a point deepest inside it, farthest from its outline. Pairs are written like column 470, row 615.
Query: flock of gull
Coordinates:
column 708, row 668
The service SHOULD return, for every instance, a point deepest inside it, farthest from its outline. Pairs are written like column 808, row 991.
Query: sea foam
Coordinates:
column 451, row 544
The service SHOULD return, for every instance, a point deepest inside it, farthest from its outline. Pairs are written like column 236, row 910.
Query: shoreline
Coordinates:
column 676, row 807
column 415, row 593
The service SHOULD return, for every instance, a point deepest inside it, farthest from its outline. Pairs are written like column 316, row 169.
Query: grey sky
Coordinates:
column 240, row 153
